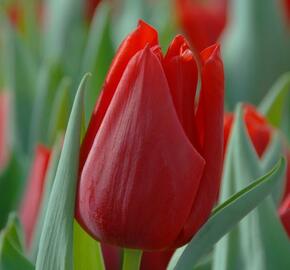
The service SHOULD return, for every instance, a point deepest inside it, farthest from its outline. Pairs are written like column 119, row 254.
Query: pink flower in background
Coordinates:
column 31, row 203
column 4, row 128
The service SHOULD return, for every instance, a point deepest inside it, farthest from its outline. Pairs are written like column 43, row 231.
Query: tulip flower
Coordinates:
column 150, row 166
column 287, row 9
column 284, row 213
column 30, row 205
column 260, row 131
column 4, row 127
column 202, row 21
column 91, row 6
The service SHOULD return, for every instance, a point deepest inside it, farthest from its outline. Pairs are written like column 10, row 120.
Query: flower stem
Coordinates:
column 132, row 259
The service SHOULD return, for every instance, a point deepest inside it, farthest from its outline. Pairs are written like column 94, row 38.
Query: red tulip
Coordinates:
column 287, row 9
column 33, row 195
column 260, row 131
column 284, row 213
column 91, row 6
column 15, row 14
column 202, row 21
column 4, row 127
column 150, row 166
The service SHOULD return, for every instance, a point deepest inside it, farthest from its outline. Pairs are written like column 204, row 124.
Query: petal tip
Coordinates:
column 210, row 53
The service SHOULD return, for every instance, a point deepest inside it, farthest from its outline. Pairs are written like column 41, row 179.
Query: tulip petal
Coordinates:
column 284, row 213
column 210, row 126
column 142, row 173
column 258, row 128
column 137, row 40
column 156, row 260
column 182, row 74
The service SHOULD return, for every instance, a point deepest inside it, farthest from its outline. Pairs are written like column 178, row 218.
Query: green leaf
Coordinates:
column 49, row 78
column 87, row 251
column 255, row 232
column 11, row 188
column 11, row 247
column 251, row 38
column 56, row 241
column 19, row 73
column 59, row 111
column 225, row 217
column 62, row 19
column 275, row 105
column 98, row 55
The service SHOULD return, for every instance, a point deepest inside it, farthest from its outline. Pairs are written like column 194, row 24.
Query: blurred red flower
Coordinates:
column 202, row 21
column 260, row 132
column 4, row 128
column 31, row 202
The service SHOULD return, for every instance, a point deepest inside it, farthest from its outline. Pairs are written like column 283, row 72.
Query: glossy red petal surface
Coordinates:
column 182, row 75
column 4, row 128
column 202, row 21
column 142, row 173
column 137, row 40
column 33, row 195
column 210, row 126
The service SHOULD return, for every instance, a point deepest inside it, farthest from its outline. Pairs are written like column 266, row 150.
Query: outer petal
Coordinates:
column 258, row 128
column 210, row 126
column 228, row 123
column 284, row 213
column 112, row 257
column 202, row 22
column 33, row 194
column 182, row 74
column 156, row 260
column 137, row 40
column 139, row 181
column 4, row 114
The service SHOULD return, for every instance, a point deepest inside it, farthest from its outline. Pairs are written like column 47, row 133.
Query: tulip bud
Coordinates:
column 149, row 147
column 31, row 202
column 260, row 132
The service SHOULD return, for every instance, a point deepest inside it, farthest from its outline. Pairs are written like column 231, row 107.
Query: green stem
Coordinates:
column 132, row 259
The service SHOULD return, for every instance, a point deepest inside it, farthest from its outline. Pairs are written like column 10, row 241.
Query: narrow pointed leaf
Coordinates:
column 56, row 241
column 11, row 247
column 226, row 216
